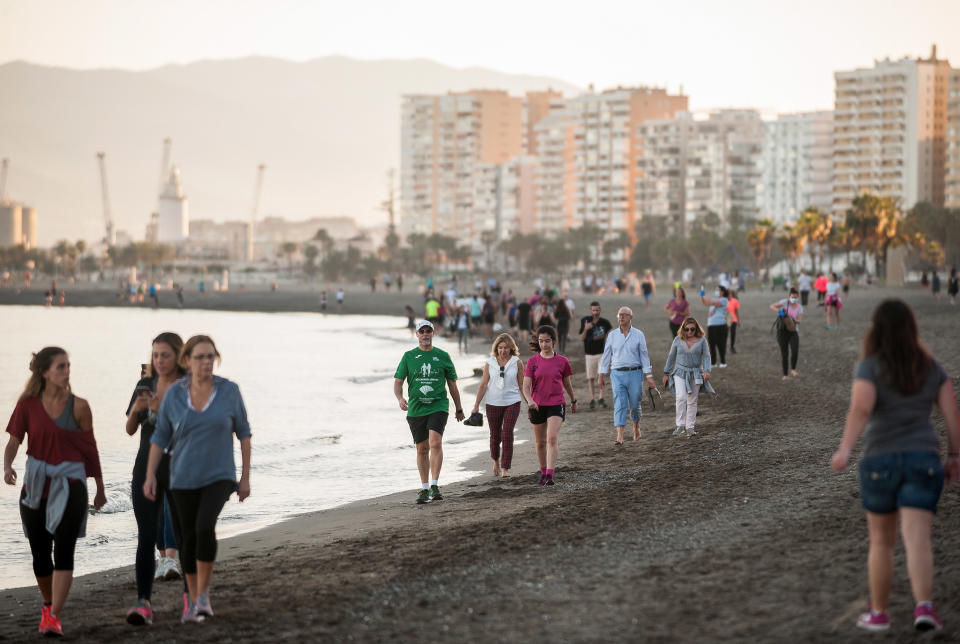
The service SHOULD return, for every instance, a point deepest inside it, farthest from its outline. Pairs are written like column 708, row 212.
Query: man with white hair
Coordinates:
column 626, row 359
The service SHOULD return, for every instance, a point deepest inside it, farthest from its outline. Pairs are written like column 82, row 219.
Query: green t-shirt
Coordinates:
column 426, row 373
column 432, row 308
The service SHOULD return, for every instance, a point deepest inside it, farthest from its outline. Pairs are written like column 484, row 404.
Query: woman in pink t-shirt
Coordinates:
column 545, row 378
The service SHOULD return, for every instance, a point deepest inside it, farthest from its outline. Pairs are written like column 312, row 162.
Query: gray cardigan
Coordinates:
column 689, row 363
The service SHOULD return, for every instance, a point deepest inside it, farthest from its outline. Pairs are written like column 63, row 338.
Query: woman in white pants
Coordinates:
column 686, row 370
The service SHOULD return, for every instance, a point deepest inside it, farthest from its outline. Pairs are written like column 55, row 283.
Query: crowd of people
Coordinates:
column 187, row 418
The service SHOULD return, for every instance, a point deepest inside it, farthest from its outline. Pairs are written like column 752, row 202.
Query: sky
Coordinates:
column 770, row 54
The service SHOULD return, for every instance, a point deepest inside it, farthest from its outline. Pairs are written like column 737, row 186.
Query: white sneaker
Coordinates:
column 173, row 570
column 722, row 365
column 161, row 568
column 691, row 432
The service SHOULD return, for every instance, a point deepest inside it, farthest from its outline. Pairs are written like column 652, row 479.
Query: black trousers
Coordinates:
column 717, row 339
column 791, row 341
column 199, row 510
column 673, row 329
column 63, row 541
column 733, row 333
column 149, row 515
column 804, row 297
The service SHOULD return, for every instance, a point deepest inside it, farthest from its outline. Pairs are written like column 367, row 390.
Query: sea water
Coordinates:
column 319, row 396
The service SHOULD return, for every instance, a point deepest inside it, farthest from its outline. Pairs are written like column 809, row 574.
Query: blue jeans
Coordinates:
column 889, row 482
column 627, row 393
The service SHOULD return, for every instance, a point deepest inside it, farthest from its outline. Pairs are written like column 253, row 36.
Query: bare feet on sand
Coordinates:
column 636, row 432
column 496, row 468
column 505, row 473
column 793, row 372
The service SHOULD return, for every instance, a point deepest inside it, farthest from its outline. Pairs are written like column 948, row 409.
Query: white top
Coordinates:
column 833, row 288
column 803, row 282
column 503, row 391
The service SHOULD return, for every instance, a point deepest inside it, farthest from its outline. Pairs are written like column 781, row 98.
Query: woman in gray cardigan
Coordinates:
column 686, row 370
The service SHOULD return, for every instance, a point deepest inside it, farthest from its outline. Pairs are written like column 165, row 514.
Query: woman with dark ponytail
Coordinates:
column 61, row 454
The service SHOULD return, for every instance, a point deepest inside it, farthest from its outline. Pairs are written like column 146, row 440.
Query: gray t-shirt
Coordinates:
column 900, row 423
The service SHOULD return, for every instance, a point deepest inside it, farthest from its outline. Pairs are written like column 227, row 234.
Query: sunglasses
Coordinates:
column 690, row 328
column 502, row 371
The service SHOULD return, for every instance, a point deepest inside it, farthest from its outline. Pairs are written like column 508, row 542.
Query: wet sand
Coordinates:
column 740, row 533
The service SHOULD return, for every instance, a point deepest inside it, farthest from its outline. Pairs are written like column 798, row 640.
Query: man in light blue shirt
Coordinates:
column 625, row 358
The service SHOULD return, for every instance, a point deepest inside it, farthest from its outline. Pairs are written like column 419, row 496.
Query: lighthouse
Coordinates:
column 173, row 222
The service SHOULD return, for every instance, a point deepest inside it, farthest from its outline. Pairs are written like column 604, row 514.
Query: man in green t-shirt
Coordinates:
column 427, row 369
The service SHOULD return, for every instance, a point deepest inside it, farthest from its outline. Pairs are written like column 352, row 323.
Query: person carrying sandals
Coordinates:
column 502, row 383
column 626, row 359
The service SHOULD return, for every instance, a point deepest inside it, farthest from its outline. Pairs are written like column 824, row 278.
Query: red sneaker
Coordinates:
column 44, row 618
column 925, row 618
column 54, row 628
column 874, row 621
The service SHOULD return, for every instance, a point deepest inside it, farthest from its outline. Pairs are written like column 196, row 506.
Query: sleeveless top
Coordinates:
column 503, row 392
column 66, row 420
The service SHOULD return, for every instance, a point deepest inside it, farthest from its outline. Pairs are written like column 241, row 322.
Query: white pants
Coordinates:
column 686, row 403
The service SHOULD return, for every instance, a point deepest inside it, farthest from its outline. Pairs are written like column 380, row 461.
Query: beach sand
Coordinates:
column 740, row 533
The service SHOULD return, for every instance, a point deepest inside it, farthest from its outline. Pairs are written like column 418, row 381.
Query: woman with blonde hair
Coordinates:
column 61, row 455
column 502, row 384
column 195, row 425
column 686, row 370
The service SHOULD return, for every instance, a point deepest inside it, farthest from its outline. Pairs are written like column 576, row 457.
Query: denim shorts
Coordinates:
column 901, row 480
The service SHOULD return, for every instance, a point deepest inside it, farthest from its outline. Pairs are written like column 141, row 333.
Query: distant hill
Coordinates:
column 327, row 129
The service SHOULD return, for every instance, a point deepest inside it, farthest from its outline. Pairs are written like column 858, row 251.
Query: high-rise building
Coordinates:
column 556, row 173
column 797, row 165
column 606, row 145
column 173, row 219
column 443, row 140
column 952, row 160
column 536, row 107
column 503, row 202
column 689, row 166
column 889, row 131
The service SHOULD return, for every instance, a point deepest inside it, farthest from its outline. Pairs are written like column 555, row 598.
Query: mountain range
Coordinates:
column 327, row 129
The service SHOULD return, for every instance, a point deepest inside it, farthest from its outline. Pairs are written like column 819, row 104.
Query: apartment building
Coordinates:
column 503, row 202
column 537, row 106
column 889, row 131
column 605, row 146
column 797, row 165
column 952, row 158
column 443, row 139
column 693, row 164
column 555, row 174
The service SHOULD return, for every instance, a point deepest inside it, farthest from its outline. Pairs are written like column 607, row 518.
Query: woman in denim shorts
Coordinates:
column 895, row 387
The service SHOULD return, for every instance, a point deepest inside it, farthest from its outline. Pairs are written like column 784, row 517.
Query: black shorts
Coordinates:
column 421, row 426
column 540, row 415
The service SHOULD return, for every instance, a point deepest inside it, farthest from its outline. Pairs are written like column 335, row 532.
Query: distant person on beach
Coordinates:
column 820, row 286
column 895, row 386
column 935, row 285
column 153, row 296
column 163, row 370
column 788, row 331
column 678, row 308
column 373, row 284
column 523, row 320
column 399, row 283
column 953, row 285
column 545, row 378
column 411, row 317
column 686, row 370
column 463, row 324
column 833, row 303
column 427, row 370
column 626, row 359
column 386, row 281
column 180, row 297
column 733, row 310
column 48, row 298
column 323, row 302
column 593, row 332
column 63, row 298
column 562, row 316
column 61, row 455
column 340, row 296
column 501, row 384
column 717, row 323
column 196, row 422
column 803, row 285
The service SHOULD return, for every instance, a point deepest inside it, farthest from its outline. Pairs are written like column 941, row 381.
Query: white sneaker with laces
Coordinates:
column 161, row 568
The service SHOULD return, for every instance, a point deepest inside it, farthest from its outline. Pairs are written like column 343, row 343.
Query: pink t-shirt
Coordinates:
column 547, row 375
column 678, row 310
column 733, row 306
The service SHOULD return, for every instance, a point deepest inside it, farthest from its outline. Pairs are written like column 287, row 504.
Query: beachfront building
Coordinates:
column 606, row 144
column 444, row 139
column 797, row 165
column 503, row 204
column 537, row 105
column 690, row 165
column 173, row 219
column 555, row 177
column 952, row 159
column 889, row 131
column 228, row 239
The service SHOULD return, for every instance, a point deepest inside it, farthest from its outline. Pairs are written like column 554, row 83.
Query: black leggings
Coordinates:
column 733, row 333
column 785, row 339
column 673, row 329
column 198, row 511
column 149, row 516
column 64, row 540
column 717, row 339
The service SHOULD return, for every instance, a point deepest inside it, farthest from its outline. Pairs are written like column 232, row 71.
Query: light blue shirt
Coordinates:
column 202, row 440
column 625, row 351
column 718, row 313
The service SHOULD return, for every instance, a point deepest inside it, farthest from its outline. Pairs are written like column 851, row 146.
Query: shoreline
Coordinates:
column 741, row 532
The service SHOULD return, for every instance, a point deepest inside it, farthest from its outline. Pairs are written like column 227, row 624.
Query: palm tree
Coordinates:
column 791, row 241
column 289, row 249
column 760, row 241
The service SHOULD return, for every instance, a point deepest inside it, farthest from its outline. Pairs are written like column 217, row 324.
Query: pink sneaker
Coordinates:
column 874, row 621
column 141, row 614
column 925, row 617
column 44, row 618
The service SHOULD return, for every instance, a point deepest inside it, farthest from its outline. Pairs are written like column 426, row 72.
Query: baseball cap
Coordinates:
column 423, row 323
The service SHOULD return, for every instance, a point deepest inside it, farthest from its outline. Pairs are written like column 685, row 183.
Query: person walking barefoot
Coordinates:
column 501, row 384
column 897, row 382
column 545, row 378
column 625, row 353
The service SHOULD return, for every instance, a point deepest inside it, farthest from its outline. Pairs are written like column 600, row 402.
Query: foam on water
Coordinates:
column 318, row 391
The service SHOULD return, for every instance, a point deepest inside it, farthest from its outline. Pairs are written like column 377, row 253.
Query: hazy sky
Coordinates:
column 770, row 54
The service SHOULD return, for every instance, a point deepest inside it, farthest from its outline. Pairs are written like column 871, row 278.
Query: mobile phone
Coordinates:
column 143, row 388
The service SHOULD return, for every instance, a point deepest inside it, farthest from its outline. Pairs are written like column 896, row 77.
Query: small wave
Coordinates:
column 363, row 380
